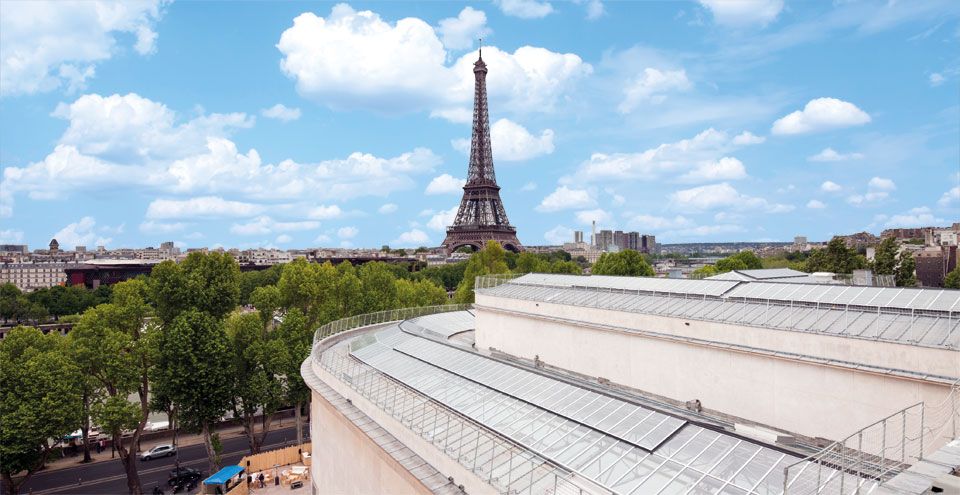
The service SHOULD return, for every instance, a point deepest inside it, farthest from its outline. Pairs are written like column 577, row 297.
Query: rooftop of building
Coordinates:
column 621, row 443
column 913, row 316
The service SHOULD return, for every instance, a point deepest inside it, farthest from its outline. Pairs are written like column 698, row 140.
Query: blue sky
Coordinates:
column 293, row 124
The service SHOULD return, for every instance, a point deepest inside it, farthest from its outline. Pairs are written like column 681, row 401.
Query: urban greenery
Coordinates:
column 493, row 259
column 626, row 262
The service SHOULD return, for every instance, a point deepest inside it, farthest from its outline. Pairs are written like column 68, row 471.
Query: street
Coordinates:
column 108, row 476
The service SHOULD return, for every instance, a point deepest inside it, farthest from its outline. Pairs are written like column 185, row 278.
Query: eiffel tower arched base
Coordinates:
column 458, row 237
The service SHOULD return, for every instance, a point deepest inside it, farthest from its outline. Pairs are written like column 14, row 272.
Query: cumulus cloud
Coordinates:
column 441, row 220
column 347, row 232
column 830, row 186
column 587, row 217
column 445, row 184
column 525, row 9
column 80, row 233
column 128, row 140
column 11, row 236
column 405, row 67
column 283, row 239
column 878, row 189
column 45, row 44
column 265, row 225
column 459, row 33
column 949, row 197
column 726, row 168
column 747, row 137
column 564, row 198
column 200, row 207
column 512, row 142
column 723, row 195
column 815, row 204
column 655, row 223
column 703, row 231
column 652, row 86
column 916, row 217
column 529, row 186
column 387, row 208
column 831, row 155
column 412, row 238
column 595, row 10
column 820, row 114
column 936, row 79
column 324, row 212
column 281, row 112
column 741, row 13
column 559, row 235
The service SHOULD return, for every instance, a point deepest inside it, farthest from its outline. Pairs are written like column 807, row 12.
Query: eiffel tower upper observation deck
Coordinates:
column 481, row 216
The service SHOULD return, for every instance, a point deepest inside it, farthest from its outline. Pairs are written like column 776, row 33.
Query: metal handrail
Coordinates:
column 357, row 321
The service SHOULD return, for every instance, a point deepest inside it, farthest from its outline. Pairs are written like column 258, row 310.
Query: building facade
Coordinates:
column 32, row 276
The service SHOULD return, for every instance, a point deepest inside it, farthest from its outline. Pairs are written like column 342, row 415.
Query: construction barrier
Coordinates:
column 279, row 457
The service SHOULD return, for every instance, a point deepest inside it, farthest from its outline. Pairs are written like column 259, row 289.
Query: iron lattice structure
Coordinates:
column 481, row 216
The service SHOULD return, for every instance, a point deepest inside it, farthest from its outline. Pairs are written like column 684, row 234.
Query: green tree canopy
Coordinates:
column 952, row 280
column 487, row 261
column 419, row 293
column 885, row 259
column 379, row 290
column 836, row 258
column 208, row 282
column 624, row 263
column 905, row 275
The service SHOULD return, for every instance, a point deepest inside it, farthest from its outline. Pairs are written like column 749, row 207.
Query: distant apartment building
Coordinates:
column 32, row 276
column 934, row 263
column 860, row 240
column 906, row 234
column 263, row 257
column 607, row 240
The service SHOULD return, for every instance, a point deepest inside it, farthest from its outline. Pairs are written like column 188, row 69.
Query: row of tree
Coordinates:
column 180, row 341
column 45, row 304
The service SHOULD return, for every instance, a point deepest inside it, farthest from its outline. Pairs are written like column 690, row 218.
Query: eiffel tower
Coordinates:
column 481, row 216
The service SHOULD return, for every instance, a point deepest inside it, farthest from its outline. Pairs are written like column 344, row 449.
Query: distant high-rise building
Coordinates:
column 578, row 236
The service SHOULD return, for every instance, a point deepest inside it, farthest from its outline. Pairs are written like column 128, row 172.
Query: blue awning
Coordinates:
column 223, row 475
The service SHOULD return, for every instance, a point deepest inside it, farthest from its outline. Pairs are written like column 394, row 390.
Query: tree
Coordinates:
column 379, row 291
column 39, row 399
column 487, row 261
column 108, row 344
column 625, row 263
column 251, row 280
column 952, row 280
column 836, row 258
column 705, row 271
column 419, row 293
column 751, row 260
column 885, row 259
column 348, row 299
column 905, row 275
column 11, row 300
column 207, row 282
column 569, row 267
column 297, row 338
column 729, row 264
column 195, row 371
column 531, row 263
column 267, row 301
column 258, row 365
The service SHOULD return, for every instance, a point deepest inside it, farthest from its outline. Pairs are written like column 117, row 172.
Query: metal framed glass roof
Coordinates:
column 875, row 313
column 446, row 324
column 624, row 447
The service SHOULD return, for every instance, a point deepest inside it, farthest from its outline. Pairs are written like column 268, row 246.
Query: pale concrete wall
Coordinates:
column 346, row 461
column 810, row 399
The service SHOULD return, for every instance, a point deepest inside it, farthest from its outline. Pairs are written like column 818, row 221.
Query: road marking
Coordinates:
column 64, row 488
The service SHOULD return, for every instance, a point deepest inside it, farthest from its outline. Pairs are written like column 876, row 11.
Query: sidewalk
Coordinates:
column 183, row 440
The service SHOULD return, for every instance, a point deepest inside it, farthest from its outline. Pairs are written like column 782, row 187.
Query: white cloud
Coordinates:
column 564, row 198
column 265, row 225
column 559, row 235
column 81, row 233
column 281, row 112
column 747, row 137
column 651, row 86
column 529, row 186
column 321, row 239
column 152, row 227
column 703, row 231
column 324, row 212
column 48, row 44
column 821, row 114
column 595, row 9
column 831, row 155
column 512, row 142
column 200, row 207
column 830, row 186
column 740, row 13
column 655, row 223
column 459, row 33
column 815, row 204
column 441, row 220
column 936, row 79
column 11, row 236
column 916, row 217
column 405, row 67
column 878, row 189
column 387, row 208
column 723, row 195
column 949, row 197
column 525, row 9
column 726, row 168
column 445, row 184
column 283, row 239
column 587, row 217
column 347, row 232
column 412, row 238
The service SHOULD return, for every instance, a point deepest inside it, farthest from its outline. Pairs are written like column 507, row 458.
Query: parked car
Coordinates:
column 185, row 475
column 158, row 451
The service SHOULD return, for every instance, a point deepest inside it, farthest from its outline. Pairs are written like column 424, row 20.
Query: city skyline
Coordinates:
column 306, row 124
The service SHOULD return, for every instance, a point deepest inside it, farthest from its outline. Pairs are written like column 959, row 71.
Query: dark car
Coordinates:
column 185, row 475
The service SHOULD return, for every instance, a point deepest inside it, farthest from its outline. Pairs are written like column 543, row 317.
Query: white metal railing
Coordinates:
column 877, row 452
column 509, row 468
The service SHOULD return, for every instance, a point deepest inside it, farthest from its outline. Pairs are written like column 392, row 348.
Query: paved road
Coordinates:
column 109, row 477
